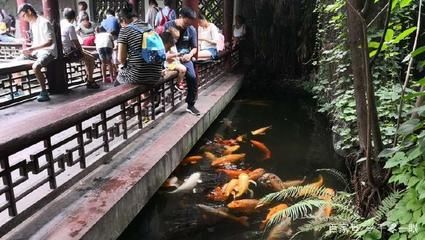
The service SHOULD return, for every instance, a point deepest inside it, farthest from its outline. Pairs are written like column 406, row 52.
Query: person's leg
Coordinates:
column 204, row 55
column 192, row 87
column 88, row 60
column 182, row 71
column 103, row 69
column 43, row 59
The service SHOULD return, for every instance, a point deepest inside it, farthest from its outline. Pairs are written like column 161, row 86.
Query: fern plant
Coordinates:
column 345, row 223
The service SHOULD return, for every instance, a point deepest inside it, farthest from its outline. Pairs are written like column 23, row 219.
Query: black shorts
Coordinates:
column 105, row 54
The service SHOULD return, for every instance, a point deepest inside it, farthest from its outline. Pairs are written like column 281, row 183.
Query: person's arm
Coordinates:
column 158, row 18
column 122, row 53
column 194, row 43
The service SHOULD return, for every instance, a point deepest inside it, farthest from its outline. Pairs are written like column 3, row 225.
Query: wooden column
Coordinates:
column 56, row 71
column 135, row 5
column 193, row 4
column 228, row 30
column 24, row 27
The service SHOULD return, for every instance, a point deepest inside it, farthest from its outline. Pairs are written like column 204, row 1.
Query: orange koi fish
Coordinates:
column 272, row 212
column 210, row 156
column 244, row 205
column 230, row 149
column 326, row 209
column 228, row 159
column 192, row 160
column 256, row 173
column 262, row 148
column 292, row 183
column 233, row 173
column 241, row 138
column 217, row 195
column 282, row 230
column 220, row 213
column 261, row 131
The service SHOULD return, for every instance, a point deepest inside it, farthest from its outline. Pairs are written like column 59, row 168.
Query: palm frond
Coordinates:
column 293, row 192
column 386, row 205
column 298, row 210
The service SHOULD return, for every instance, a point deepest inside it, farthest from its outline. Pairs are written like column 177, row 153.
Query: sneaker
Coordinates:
column 43, row 97
column 92, row 85
column 193, row 110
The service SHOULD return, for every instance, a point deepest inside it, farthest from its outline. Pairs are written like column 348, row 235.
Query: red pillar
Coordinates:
column 56, row 71
column 23, row 26
column 193, row 4
column 135, row 5
column 228, row 30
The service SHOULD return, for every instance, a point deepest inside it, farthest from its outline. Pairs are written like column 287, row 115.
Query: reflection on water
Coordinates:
column 299, row 141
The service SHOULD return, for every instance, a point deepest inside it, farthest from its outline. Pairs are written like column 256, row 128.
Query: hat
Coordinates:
column 187, row 13
column 24, row 8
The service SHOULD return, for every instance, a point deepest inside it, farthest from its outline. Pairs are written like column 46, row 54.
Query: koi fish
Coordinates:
column 191, row 160
column 272, row 212
column 261, row 131
column 210, row 156
column 262, row 148
column 230, row 149
column 233, row 173
column 219, row 213
column 256, row 173
column 217, row 195
column 243, row 184
column 189, row 184
column 292, row 183
column 282, row 230
column 271, row 181
column 241, row 138
column 171, row 182
column 230, row 186
column 308, row 189
column 326, row 209
column 231, row 158
column 244, row 205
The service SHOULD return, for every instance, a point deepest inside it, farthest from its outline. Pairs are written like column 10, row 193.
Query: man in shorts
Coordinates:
column 43, row 49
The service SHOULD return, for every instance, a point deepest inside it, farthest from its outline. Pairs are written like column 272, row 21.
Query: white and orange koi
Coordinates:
column 261, row 131
column 191, row 160
column 243, row 184
column 230, row 149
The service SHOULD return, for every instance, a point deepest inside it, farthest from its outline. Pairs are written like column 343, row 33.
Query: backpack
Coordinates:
column 153, row 50
column 164, row 19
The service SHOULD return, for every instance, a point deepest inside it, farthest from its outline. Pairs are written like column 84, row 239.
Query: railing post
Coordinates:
column 135, row 5
column 228, row 30
column 56, row 71
column 24, row 26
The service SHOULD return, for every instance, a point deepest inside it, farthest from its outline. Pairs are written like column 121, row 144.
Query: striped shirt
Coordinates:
column 136, row 70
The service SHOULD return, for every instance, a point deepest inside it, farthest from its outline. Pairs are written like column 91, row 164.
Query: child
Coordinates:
column 104, row 46
column 172, row 55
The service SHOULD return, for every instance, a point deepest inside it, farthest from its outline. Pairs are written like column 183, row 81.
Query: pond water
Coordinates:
column 300, row 141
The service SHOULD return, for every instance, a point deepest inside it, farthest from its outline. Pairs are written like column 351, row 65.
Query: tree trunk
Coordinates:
column 355, row 36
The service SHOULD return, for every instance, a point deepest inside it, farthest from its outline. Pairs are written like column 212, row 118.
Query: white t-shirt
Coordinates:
column 239, row 32
column 42, row 32
column 210, row 33
column 104, row 40
column 68, row 34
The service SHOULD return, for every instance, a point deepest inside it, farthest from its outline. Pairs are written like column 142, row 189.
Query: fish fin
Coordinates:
column 253, row 182
column 194, row 190
column 251, row 193
column 200, row 181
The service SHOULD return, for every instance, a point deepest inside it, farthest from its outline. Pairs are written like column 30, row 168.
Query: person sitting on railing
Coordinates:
column 172, row 62
column 208, row 38
column 86, row 31
column 135, row 69
column 187, row 45
column 105, row 47
column 239, row 30
column 72, row 49
column 43, row 49
column 6, row 34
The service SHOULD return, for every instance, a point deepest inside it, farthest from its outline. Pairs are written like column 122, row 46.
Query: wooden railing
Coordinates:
column 40, row 160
